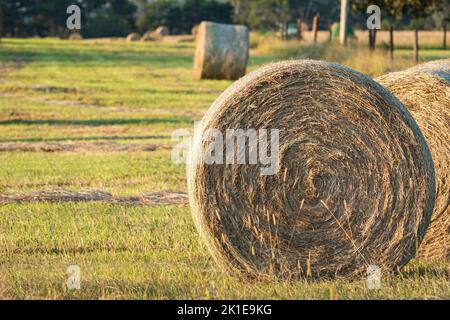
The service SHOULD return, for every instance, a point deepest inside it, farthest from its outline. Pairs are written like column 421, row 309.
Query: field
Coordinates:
column 95, row 117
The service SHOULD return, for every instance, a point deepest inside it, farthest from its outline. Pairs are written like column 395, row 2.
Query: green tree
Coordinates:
column 398, row 9
column 1, row 18
column 180, row 17
column 262, row 14
column 110, row 18
column 268, row 14
column 17, row 16
column 48, row 18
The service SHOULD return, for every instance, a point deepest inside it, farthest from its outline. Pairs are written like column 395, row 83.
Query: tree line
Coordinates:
column 110, row 18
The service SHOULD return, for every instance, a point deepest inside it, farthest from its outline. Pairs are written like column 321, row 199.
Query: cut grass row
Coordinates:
column 119, row 173
column 150, row 253
column 135, row 92
column 96, row 88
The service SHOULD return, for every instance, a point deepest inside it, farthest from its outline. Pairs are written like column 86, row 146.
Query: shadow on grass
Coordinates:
column 46, row 53
column 108, row 288
column 93, row 138
column 69, row 250
column 96, row 122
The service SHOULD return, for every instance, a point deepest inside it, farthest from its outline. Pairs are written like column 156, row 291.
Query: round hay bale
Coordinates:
column 75, row 36
column 156, row 35
column 162, row 31
column 133, row 37
column 354, row 185
column 425, row 91
column 221, row 51
column 151, row 36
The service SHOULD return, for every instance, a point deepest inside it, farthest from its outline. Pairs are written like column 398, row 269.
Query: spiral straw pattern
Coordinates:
column 355, row 179
column 425, row 91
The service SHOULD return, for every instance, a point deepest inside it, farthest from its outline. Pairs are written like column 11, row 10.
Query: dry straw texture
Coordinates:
column 221, row 51
column 97, row 146
column 425, row 91
column 355, row 185
column 63, row 195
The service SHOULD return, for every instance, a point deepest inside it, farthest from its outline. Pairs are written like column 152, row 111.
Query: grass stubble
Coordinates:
column 78, row 93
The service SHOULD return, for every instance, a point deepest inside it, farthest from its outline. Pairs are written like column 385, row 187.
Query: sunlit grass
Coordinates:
column 154, row 253
column 119, row 173
column 96, row 90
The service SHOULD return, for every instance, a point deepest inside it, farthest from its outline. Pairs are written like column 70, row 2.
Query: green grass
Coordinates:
column 149, row 253
column 120, row 173
column 84, row 91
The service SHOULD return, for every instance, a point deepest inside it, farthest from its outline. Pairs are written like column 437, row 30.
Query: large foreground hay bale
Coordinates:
column 355, row 185
column 133, row 37
column 425, row 91
column 221, row 51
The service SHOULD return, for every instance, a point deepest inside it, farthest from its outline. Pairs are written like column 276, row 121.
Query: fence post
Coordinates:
column 299, row 29
column 315, row 26
column 391, row 41
column 416, row 45
column 285, row 30
column 343, row 23
column 283, row 33
column 445, row 37
column 372, row 38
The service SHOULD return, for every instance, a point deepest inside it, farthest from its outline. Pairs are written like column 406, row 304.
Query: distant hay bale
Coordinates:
column 425, row 91
column 151, row 36
column 221, row 51
column 133, row 37
column 162, row 30
column 156, row 35
column 75, row 36
column 355, row 185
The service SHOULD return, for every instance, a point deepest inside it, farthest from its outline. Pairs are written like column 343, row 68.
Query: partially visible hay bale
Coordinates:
column 75, row 36
column 439, row 68
column 133, row 37
column 194, row 30
column 355, row 185
column 221, row 51
column 425, row 91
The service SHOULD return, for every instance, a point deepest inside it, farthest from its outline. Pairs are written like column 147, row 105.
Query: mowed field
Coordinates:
column 86, row 175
